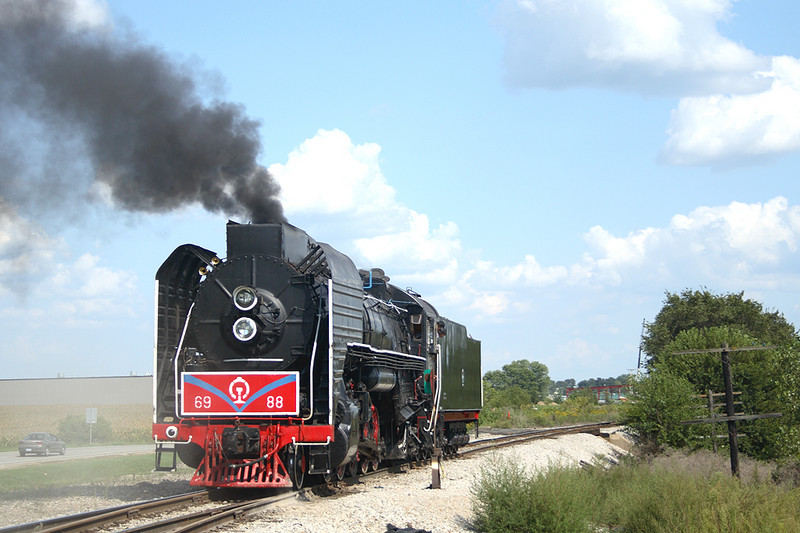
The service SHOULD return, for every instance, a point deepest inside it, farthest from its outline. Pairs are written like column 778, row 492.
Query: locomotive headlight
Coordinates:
column 244, row 329
column 244, row 298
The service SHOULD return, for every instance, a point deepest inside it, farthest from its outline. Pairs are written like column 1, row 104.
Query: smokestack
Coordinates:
column 152, row 143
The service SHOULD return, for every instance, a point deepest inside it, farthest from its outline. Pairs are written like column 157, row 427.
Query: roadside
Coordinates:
column 13, row 459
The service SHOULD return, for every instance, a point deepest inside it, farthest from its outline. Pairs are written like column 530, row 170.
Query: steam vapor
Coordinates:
column 154, row 145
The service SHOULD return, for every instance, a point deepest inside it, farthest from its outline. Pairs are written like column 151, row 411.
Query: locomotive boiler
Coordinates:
column 284, row 361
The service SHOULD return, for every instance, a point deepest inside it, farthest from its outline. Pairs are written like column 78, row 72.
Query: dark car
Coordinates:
column 41, row 444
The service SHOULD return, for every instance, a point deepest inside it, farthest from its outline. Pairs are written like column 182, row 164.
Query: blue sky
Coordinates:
column 541, row 171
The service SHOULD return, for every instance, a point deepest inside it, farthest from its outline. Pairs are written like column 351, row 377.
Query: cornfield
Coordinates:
column 130, row 424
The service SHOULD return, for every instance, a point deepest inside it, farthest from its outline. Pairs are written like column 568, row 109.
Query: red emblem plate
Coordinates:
column 238, row 393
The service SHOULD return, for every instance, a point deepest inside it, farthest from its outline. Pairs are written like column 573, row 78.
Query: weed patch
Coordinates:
column 634, row 497
column 530, row 416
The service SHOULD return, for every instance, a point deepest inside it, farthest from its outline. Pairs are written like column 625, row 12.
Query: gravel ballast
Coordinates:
column 402, row 499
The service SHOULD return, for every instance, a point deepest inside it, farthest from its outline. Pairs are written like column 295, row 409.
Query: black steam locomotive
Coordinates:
column 284, row 361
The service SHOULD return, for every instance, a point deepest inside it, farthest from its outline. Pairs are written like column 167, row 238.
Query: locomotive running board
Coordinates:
column 386, row 358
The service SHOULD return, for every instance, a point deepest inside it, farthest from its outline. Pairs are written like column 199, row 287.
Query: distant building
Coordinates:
column 604, row 392
column 119, row 390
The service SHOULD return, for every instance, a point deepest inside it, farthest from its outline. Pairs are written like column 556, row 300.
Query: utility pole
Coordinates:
column 733, row 438
column 730, row 414
column 641, row 341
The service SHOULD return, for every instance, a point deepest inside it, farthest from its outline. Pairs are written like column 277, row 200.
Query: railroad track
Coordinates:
column 118, row 519
column 526, row 436
column 102, row 517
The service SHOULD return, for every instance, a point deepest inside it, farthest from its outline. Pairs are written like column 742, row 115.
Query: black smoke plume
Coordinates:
column 149, row 137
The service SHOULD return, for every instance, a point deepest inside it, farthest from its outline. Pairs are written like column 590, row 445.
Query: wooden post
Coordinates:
column 711, row 415
column 733, row 439
column 436, row 478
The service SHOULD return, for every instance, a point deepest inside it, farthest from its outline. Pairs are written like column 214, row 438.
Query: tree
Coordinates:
column 512, row 396
column 702, row 309
column 704, row 370
column 622, row 379
column 767, row 380
column 530, row 376
column 559, row 388
column 700, row 320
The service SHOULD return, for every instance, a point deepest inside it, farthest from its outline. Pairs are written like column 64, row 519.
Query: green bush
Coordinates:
column 658, row 403
column 507, row 498
column 634, row 497
column 582, row 398
column 767, row 380
column 75, row 431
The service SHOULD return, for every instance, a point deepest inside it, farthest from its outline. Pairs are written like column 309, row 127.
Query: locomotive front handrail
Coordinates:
column 327, row 441
column 178, row 390
column 173, row 441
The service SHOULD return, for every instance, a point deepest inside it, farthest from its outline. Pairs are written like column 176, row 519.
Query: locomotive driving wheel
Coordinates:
column 352, row 467
column 297, row 467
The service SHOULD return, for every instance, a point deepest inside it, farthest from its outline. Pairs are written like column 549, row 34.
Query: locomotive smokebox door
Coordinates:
column 241, row 443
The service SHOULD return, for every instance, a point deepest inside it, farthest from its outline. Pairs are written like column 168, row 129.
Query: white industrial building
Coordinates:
column 117, row 390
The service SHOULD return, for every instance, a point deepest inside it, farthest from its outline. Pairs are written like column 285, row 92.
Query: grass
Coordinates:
column 99, row 470
column 634, row 497
column 130, row 424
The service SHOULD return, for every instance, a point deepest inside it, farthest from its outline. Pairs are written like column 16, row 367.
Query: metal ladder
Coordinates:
column 167, row 448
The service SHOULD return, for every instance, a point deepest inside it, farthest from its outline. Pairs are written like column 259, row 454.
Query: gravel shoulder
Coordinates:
column 404, row 499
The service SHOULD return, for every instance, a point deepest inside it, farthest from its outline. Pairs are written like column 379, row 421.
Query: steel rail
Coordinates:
column 210, row 518
column 100, row 517
column 510, row 440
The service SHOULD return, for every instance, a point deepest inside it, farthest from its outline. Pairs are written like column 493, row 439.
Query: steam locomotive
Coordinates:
column 285, row 361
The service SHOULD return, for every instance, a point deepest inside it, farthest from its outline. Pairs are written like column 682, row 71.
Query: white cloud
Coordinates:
column 735, row 105
column 26, row 250
column 90, row 280
column 76, row 14
column 80, row 294
column 738, row 246
column 608, row 254
column 88, row 14
column 729, row 244
column 417, row 247
column 653, row 46
column 76, row 291
column 729, row 127
column 528, row 273
column 330, row 175
column 760, row 233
